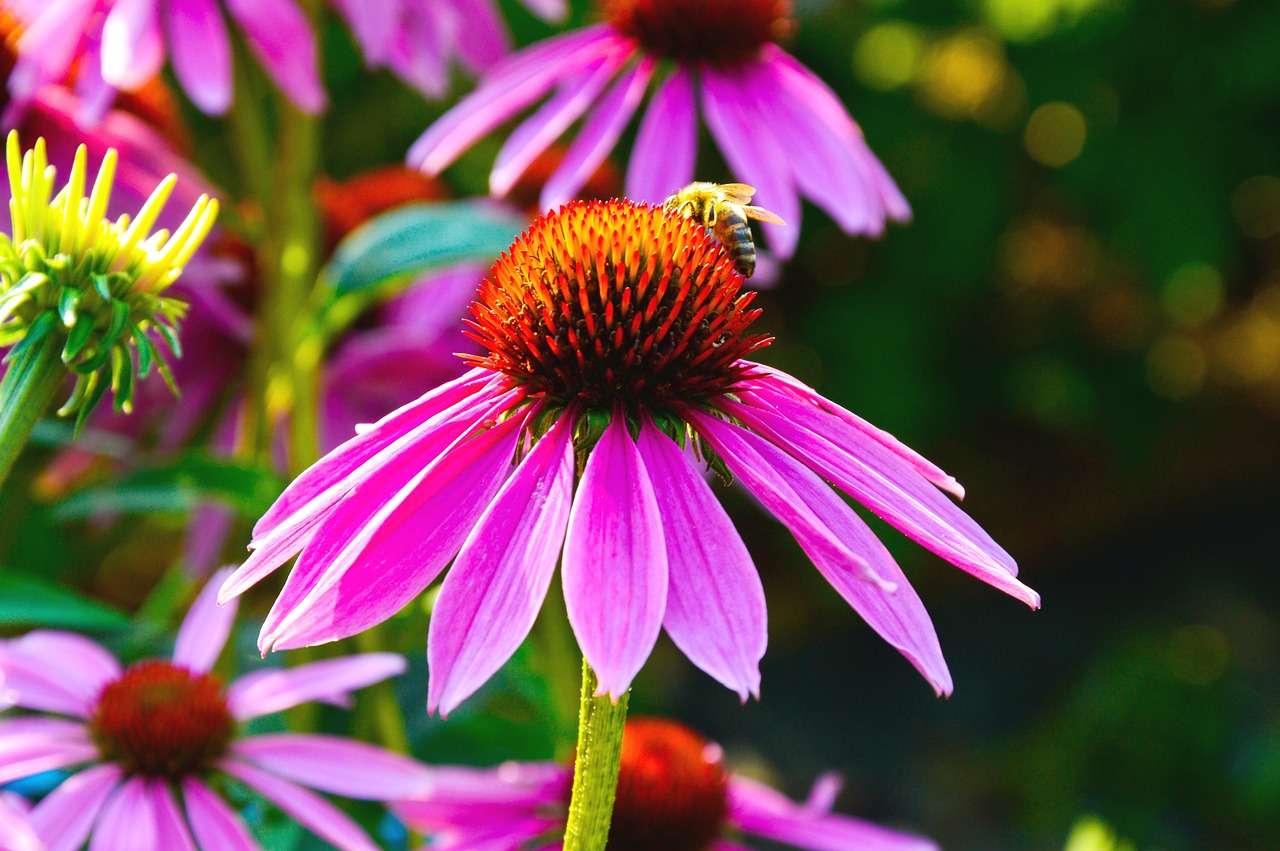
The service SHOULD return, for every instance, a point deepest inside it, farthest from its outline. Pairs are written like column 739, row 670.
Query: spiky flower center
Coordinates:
column 671, row 790
column 160, row 720
column 611, row 303
column 719, row 31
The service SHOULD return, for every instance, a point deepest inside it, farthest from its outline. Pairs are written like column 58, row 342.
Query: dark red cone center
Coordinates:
column 671, row 790
column 160, row 720
column 719, row 31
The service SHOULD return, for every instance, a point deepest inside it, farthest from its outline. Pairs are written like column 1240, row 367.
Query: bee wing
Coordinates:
column 737, row 193
column 760, row 214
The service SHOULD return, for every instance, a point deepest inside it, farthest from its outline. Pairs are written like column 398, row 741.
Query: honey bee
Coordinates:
column 723, row 208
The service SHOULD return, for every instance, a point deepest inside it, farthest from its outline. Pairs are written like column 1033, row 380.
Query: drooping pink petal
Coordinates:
column 200, row 51
column 362, row 579
column 420, row 46
column 535, row 133
column 483, row 39
column 598, row 135
column 615, row 562
column 730, row 114
column 56, row 671
column 25, row 756
column 779, row 390
column 841, row 546
column 758, row 810
column 466, row 808
column 132, row 47
column 372, row 24
column 214, row 824
column 15, row 833
column 307, row 808
column 508, row 88
column 66, row 815
column 172, row 832
column 492, row 595
column 128, row 821
column 336, row 765
column 47, row 46
column 280, row 36
column 715, row 603
column 666, row 148
column 880, row 481
column 205, row 629
column 276, row 689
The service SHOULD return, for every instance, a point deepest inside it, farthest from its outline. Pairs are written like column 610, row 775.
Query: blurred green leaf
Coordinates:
column 26, row 601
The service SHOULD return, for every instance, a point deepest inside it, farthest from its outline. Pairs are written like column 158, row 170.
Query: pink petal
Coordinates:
column 24, row 756
column 539, row 130
column 397, row 550
column 830, row 534
column 48, row 45
column 56, row 671
column 508, row 88
column 758, row 810
column 551, row 11
column 280, row 36
column 335, row 765
column 758, row 161
column 132, row 49
column 715, row 604
column 598, row 135
column 419, row 48
column 66, row 815
column 485, row 40
column 666, row 147
column 273, row 690
column 129, row 820
column 372, row 24
column 205, row 629
column 200, row 52
column 171, row 824
column 493, row 593
column 309, row 809
column 214, row 824
column 15, row 833
column 615, row 562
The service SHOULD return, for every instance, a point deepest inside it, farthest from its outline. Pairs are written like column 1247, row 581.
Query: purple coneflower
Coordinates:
column 150, row 737
column 779, row 127
column 674, row 793
column 617, row 338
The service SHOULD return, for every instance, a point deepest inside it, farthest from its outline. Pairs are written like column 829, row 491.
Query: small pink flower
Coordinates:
column 674, row 794
column 617, row 340
column 779, row 127
column 147, row 739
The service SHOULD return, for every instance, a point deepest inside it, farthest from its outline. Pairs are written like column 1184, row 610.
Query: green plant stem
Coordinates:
column 30, row 382
column 595, row 767
column 379, row 700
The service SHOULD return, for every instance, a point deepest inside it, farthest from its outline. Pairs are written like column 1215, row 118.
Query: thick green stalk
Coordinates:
column 30, row 382
column 595, row 767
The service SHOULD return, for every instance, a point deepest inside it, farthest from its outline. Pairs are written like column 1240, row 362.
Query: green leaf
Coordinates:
column 26, row 601
column 414, row 238
column 177, row 487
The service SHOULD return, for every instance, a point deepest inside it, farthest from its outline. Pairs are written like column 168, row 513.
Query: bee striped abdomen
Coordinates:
column 734, row 232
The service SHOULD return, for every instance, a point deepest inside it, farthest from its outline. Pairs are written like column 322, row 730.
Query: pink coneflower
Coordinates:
column 150, row 737
column 617, row 338
column 779, row 127
column 674, row 793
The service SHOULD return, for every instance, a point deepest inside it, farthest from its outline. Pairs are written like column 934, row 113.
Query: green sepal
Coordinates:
column 119, row 321
column 171, row 337
column 41, row 325
column 101, row 284
column 162, row 366
column 98, row 388
column 122, row 377
column 68, row 300
column 143, row 345
column 77, row 337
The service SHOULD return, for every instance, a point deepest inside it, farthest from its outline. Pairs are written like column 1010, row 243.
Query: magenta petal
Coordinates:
column 66, row 815
column 214, row 824
column 171, row 825
column 335, row 765
column 484, row 40
column 204, row 630
column 396, row 551
column 273, row 690
column 132, row 49
column 758, row 810
column 280, row 36
column 615, row 562
column 598, row 135
column 539, row 130
column 715, row 604
column 372, row 24
column 492, row 595
column 309, row 809
column 128, row 821
column 201, row 53
column 666, row 147
column 56, row 671
column 20, row 759
column 830, row 534
column 15, row 833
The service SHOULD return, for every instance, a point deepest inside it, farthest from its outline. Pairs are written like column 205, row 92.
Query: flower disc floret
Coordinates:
column 718, row 31
column 614, row 303
column 161, row 720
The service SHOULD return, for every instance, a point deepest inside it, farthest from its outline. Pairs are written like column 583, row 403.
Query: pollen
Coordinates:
column 671, row 790
column 159, row 720
column 718, row 31
column 608, row 304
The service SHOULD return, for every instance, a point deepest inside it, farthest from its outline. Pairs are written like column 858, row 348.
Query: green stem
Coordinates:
column 595, row 767
column 379, row 700
column 31, row 381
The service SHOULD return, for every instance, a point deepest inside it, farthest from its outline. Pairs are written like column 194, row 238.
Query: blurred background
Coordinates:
column 1082, row 324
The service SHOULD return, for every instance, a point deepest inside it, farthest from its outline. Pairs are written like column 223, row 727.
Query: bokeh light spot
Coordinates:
column 1250, row 346
column 1193, row 294
column 1055, row 134
column 1256, row 206
column 1198, row 654
column 1176, row 368
column 888, row 56
column 963, row 75
column 1022, row 20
